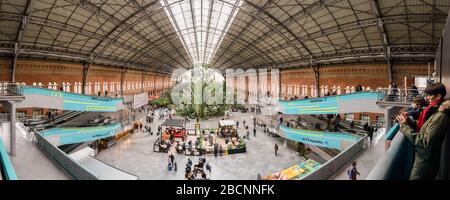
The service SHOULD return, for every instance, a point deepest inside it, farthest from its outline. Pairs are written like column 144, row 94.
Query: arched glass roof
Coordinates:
column 201, row 24
column 149, row 34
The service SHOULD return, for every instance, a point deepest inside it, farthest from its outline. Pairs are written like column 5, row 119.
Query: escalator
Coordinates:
column 68, row 148
column 59, row 120
column 330, row 151
column 37, row 123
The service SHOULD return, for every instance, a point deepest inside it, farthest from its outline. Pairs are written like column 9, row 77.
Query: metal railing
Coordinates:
column 10, row 89
column 19, row 116
column 399, row 95
column 69, row 165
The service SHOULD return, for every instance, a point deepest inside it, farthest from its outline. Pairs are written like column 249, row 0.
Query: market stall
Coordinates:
column 174, row 129
column 237, row 145
column 173, row 134
column 227, row 128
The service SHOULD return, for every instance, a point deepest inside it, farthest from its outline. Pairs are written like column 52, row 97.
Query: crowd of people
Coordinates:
column 197, row 171
column 425, row 125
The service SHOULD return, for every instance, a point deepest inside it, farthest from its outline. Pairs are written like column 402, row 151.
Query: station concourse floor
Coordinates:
column 135, row 155
column 367, row 159
column 30, row 163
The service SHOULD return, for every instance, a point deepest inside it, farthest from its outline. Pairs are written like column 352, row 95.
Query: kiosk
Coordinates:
column 227, row 128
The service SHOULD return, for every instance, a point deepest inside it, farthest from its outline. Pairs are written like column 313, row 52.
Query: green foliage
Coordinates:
column 163, row 101
column 206, row 111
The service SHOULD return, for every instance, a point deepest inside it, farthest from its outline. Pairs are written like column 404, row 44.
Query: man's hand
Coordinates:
column 402, row 119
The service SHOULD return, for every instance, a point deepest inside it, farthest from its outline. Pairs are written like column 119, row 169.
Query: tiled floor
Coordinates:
column 135, row 155
column 30, row 163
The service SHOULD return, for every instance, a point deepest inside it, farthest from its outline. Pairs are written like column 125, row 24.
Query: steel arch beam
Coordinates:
column 19, row 35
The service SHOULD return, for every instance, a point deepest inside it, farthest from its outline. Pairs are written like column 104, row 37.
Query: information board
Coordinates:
column 140, row 100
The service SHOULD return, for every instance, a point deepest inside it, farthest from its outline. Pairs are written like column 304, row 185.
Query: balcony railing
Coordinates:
column 10, row 89
column 399, row 95
column 396, row 163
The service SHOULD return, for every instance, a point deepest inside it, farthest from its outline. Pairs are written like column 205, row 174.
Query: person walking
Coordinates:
column 254, row 131
column 172, row 159
column 208, row 167
column 276, row 149
column 248, row 134
column 169, row 165
column 353, row 172
column 215, row 150
column 370, row 133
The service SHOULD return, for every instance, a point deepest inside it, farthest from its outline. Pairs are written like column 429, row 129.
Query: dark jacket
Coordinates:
column 412, row 122
column 427, row 145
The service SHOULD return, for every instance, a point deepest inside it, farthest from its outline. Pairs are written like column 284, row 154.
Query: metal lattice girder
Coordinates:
column 52, row 51
column 398, row 51
column 121, row 27
column 264, row 32
column 66, row 27
column 358, row 25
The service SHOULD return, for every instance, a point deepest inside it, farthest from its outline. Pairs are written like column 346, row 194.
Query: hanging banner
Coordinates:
column 140, row 100
column 318, row 138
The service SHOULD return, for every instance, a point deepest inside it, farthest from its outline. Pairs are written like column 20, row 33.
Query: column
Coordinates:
column 387, row 118
column 11, row 107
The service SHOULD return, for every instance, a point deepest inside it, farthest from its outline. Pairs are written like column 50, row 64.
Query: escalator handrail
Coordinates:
column 392, row 132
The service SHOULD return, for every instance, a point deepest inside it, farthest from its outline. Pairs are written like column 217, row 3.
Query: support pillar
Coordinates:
column 86, row 67
column 11, row 107
column 12, row 129
column 388, row 114
column 317, row 80
column 122, row 78
column 390, row 70
column 387, row 118
column 142, row 82
column 14, row 64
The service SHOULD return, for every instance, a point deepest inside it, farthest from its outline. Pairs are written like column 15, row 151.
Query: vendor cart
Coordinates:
column 174, row 129
column 227, row 128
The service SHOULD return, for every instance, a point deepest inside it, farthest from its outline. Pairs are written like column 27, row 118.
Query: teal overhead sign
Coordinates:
column 78, row 102
column 318, row 138
column 323, row 105
column 73, row 135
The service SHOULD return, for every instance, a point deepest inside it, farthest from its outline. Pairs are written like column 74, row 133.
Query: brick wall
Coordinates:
column 368, row 75
column 45, row 72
